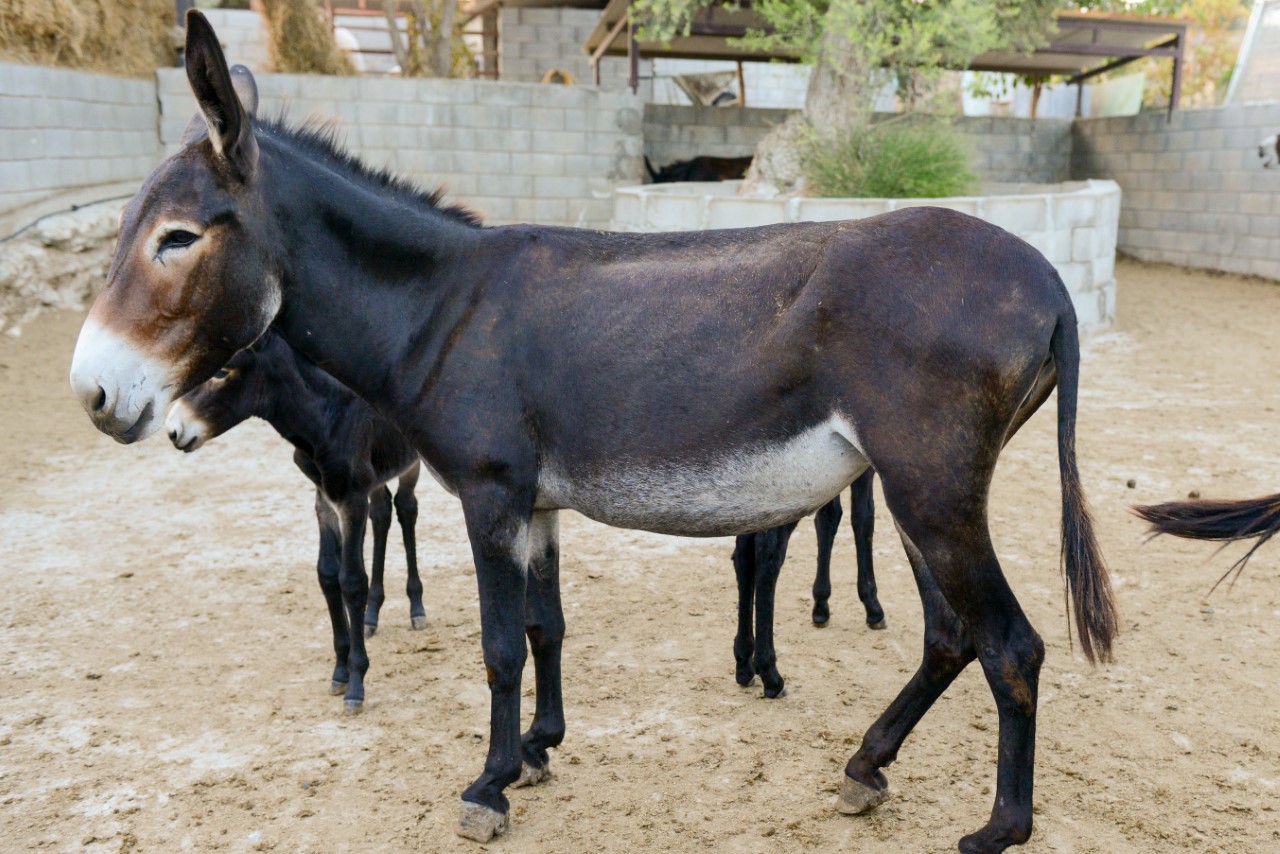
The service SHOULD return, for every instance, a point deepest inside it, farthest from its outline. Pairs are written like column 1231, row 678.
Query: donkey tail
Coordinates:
column 1087, row 583
column 1223, row 521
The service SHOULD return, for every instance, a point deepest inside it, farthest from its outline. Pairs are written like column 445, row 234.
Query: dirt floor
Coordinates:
column 167, row 649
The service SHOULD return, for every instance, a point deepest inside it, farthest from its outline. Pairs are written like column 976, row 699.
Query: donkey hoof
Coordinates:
column 370, row 629
column 531, row 776
column 352, row 707
column 480, row 823
column 883, row 624
column 418, row 623
column 821, row 620
column 775, row 694
column 337, row 689
column 856, row 798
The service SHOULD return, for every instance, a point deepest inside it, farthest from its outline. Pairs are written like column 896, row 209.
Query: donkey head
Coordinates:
column 239, row 390
column 192, row 280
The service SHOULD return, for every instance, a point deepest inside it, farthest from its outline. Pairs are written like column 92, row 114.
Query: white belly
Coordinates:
column 738, row 492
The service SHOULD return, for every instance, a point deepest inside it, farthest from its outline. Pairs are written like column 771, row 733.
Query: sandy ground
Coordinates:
column 167, row 650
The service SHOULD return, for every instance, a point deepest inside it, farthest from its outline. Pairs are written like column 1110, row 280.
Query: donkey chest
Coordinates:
column 718, row 492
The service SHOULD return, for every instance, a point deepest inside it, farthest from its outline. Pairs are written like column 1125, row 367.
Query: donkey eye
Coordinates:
column 221, row 374
column 178, row 238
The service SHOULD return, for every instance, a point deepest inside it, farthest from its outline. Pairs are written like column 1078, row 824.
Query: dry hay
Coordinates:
column 126, row 37
column 301, row 41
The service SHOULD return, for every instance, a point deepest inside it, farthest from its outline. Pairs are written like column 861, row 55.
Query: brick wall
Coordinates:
column 1004, row 150
column 65, row 130
column 1194, row 191
column 518, row 152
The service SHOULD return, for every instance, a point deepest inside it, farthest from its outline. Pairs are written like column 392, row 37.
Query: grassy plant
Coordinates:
column 126, row 37
column 923, row 158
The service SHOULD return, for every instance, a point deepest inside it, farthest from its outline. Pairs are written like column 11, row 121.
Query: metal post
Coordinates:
column 742, row 86
column 1175, row 90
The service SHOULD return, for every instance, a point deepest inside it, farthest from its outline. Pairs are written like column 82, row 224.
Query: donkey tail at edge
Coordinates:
column 1223, row 521
column 1086, row 580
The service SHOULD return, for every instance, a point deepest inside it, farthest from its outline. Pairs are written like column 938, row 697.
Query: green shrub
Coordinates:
column 896, row 159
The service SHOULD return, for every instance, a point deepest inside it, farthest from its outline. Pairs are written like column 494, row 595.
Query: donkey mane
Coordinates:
column 322, row 139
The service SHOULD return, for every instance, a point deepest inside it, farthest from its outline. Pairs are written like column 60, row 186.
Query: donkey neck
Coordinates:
column 369, row 274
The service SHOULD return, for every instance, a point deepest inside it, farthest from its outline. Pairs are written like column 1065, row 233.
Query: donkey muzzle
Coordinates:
column 123, row 390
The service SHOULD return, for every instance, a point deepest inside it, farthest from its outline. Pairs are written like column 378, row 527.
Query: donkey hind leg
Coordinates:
column 956, row 549
column 327, row 572
column 353, row 516
column 544, row 626
column 407, row 514
column 744, row 642
column 498, row 526
column 827, row 522
column 771, row 552
column 380, row 519
column 947, row 651
column 864, row 526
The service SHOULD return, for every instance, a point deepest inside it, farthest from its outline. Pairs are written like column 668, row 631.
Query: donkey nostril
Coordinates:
column 173, row 436
column 101, row 400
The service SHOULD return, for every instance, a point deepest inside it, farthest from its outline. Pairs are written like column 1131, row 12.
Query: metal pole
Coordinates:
column 1175, row 91
column 633, row 53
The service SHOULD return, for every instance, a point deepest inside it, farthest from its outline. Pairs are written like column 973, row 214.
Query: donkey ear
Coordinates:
column 230, row 131
column 246, row 88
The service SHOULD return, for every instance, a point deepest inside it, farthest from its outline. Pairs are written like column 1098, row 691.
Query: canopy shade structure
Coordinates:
column 1083, row 45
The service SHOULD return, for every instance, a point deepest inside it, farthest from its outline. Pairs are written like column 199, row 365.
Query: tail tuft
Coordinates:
column 1087, row 583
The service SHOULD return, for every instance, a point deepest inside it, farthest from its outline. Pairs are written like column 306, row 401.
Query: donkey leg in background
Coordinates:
column 827, row 522
column 744, row 642
column 407, row 514
column 353, row 516
column 864, row 527
column 771, row 553
column 380, row 517
column 947, row 651
column 327, row 572
column 544, row 626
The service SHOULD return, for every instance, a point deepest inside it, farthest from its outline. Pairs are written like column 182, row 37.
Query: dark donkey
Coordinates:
column 701, row 383
column 349, row 453
column 757, row 562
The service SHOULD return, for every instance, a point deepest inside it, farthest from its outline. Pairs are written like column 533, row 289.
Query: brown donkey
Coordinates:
column 704, row 384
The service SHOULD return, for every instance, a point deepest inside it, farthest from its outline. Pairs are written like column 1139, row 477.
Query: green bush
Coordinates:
column 923, row 159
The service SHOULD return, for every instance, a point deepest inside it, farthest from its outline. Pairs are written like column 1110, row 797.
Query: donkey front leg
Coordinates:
column 380, row 516
column 826, row 522
column 771, row 553
column 544, row 625
column 407, row 514
column 744, row 642
column 864, row 527
column 353, row 516
column 327, row 571
column 498, row 526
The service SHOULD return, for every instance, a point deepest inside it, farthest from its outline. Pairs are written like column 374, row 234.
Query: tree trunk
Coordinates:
column 836, row 100
column 393, row 28
column 443, row 33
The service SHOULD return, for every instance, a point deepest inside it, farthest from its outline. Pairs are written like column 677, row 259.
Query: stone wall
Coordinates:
column 62, row 131
column 517, row 152
column 1194, row 190
column 1004, row 149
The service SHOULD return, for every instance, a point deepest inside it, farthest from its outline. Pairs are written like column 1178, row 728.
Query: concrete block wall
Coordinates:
column 243, row 36
column 535, row 40
column 518, row 152
column 1004, row 149
column 1194, row 190
column 66, row 130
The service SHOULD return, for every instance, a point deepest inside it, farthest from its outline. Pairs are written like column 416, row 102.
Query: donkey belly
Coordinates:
column 732, row 491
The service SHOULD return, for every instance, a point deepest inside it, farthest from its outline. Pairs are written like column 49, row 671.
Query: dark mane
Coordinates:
column 321, row 139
